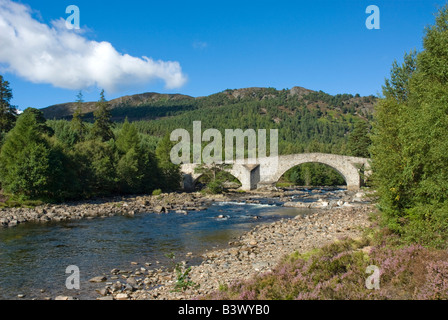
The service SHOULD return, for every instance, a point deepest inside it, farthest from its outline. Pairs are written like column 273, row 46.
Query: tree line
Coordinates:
column 410, row 141
column 91, row 155
column 75, row 160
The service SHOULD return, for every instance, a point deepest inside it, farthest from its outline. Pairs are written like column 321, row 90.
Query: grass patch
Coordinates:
column 12, row 201
column 157, row 192
column 284, row 184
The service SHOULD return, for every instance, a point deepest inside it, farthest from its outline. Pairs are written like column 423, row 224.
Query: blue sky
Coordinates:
column 320, row 45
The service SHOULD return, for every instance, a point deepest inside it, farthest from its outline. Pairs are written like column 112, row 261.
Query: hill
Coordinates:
column 306, row 120
column 150, row 106
column 66, row 110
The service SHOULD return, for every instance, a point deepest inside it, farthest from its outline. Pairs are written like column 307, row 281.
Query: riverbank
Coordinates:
column 160, row 204
column 107, row 207
column 255, row 252
column 152, row 277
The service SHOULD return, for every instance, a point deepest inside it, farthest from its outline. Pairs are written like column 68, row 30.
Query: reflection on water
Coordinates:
column 34, row 257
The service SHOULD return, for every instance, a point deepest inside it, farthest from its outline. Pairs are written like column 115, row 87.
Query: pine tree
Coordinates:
column 28, row 165
column 95, row 166
column 359, row 140
column 131, row 165
column 8, row 112
column 128, row 138
column 171, row 175
column 130, row 172
column 102, row 128
column 397, row 87
column 77, row 125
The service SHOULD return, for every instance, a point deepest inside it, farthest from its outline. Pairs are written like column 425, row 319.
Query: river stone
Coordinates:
column 258, row 266
column 122, row 296
column 44, row 219
column 63, row 298
column 132, row 282
column 160, row 209
column 117, row 286
column 13, row 223
column 297, row 205
column 98, row 279
column 129, row 288
column 103, row 291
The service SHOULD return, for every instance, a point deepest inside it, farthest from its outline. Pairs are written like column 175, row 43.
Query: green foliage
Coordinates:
column 214, row 177
column 130, row 170
column 128, row 138
column 65, row 133
column 18, row 201
column 183, row 281
column 427, row 225
column 102, row 127
column 104, row 158
column 169, row 172
column 314, row 122
column 157, row 192
column 314, row 174
column 28, row 162
column 77, row 126
column 359, row 141
column 8, row 112
column 215, row 187
column 51, row 162
column 58, row 160
column 95, row 167
column 339, row 272
column 397, row 87
column 410, row 140
column 163, row 151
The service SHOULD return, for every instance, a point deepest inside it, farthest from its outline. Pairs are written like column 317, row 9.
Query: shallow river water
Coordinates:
column 34, row 257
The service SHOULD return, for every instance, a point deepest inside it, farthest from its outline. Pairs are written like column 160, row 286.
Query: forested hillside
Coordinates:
column 150, row 106
column 307, row 121
column 122, row 146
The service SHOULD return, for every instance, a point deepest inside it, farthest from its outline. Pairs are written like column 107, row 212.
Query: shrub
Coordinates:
column 157, row 192
column 410, row 142
column 338, row 272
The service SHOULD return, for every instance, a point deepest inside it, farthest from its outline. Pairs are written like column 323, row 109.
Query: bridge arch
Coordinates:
column 243, row 173
column 347, row 167
column 323, row 179
column 196, row 177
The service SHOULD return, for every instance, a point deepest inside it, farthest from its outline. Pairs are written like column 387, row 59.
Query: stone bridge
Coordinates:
column 267, row 171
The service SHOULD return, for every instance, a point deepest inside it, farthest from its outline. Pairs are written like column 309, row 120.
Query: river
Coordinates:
column 34, row 257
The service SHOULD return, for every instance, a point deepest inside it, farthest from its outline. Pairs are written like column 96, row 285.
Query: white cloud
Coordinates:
column 64, row 58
